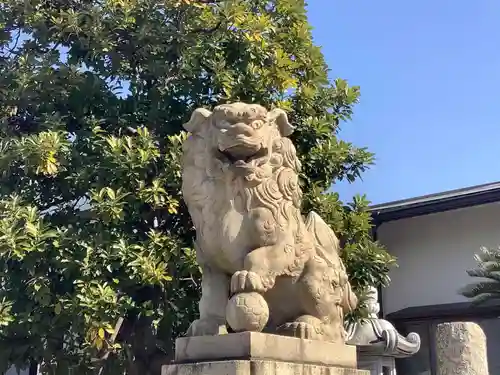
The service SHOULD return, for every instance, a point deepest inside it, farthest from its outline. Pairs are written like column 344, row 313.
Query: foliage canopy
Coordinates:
column 97, row 269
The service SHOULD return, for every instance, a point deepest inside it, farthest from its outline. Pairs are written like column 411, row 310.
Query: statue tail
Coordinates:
column 327, row 247
column 325, row 241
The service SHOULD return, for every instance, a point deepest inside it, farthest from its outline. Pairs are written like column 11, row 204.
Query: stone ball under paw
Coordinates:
column 247, row 312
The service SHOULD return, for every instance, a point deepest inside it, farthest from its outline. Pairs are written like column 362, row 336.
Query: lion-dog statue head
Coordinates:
column 244, row 135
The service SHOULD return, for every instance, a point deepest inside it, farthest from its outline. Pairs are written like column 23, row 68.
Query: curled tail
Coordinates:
column 327, row 246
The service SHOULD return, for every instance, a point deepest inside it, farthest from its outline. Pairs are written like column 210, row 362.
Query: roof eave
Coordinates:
column 386, row 213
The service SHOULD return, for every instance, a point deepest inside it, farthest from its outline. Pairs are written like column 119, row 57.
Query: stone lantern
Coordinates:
column 378, row 342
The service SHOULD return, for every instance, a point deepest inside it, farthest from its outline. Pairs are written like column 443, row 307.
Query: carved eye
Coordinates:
column 257, row 124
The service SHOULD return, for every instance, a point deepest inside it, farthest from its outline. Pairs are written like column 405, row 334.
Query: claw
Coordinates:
column 299, row 329
column 247, row 281
column 306, row 327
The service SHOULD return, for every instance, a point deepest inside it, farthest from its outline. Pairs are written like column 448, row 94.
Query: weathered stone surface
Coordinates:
column 240, row 184
column 461, row 349
column 255, row 345
column 256, row 367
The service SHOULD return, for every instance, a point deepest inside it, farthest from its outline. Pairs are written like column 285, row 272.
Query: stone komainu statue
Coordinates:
column 264, row 267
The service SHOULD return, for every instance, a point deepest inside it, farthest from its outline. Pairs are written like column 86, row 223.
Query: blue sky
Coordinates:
column 429, row 73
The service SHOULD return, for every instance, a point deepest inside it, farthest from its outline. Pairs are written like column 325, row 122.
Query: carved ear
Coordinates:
column 198, row 118
column 281, row 119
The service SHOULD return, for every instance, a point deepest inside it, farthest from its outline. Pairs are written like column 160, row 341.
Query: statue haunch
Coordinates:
column 264, row 267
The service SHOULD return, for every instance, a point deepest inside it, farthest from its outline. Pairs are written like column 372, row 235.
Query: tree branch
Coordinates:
column 112, row 339
column 12, row 50
column 208, row 31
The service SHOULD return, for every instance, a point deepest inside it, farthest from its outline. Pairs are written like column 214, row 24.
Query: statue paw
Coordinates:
column 306, row 327
column 248, row 281
column 206, row 327
column 299, row 329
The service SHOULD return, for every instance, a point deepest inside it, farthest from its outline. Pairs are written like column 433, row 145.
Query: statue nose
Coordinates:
column 241, row 128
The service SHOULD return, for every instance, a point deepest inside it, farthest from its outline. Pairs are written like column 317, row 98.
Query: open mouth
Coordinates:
column 236, row 158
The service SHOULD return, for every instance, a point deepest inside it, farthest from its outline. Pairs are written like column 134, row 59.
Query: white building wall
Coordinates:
column 433, row 253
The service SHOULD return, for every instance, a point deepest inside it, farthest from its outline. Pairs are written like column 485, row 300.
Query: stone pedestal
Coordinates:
column 251, row 353
column 256, row 367
column 461, row 349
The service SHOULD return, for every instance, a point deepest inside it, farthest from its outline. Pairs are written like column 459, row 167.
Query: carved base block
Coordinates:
column 261, row 346
column 257, row 367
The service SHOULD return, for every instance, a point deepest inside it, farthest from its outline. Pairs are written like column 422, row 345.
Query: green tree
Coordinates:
column 97, row 269
column 488, row 269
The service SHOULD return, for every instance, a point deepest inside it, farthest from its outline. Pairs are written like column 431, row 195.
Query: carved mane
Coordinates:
column 202, row 180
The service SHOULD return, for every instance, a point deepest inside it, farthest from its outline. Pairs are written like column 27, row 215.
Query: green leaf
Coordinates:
column 111, row 193
column 31, row 229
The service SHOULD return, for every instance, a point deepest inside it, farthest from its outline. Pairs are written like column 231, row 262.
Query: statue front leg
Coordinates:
column 264, row 264
column 212, row 305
